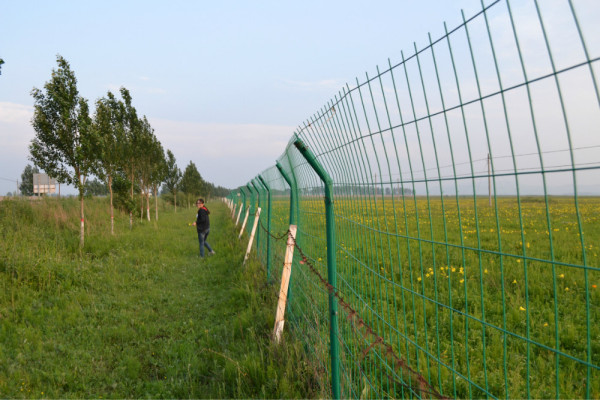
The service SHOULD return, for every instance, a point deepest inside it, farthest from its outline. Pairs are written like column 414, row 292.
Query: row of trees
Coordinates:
column 114, row 144
column 190, row 182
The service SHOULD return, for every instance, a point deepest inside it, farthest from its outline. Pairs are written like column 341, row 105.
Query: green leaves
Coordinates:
column 64, row 142
column 192, row 183
column 26, row 186
column 173, row 173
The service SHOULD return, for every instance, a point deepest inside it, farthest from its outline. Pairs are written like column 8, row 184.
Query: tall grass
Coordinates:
column 137, row 314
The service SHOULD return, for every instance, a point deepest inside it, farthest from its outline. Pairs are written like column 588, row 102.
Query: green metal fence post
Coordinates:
column 293, row 193
column 269, row 204
column 253, row 206
column 257, row 188
column 244, row 197
column 291, row 181
column 331, row 263
column 246, row 207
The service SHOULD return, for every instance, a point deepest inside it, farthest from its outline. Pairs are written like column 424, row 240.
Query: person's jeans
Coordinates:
column 202, row 235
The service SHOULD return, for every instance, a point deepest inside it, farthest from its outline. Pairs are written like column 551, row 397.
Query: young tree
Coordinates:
column 108, row 125
column 172, row 177
column 1, row 62
column 145, row 162
column 131, row 153
column 158, row 172
column 192, row 183
column 94, row 187
column 64, row 145
column 26, row 186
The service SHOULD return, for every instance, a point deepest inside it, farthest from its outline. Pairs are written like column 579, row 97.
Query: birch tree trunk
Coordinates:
column 131, row 212
column 142, row 205
column 155, row 203
column 81, row 179
column 112, row 214
column 82, row 231
column 148, row 203
column 175, row 199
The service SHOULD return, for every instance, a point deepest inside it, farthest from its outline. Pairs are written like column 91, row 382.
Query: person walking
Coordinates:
column 202, row 225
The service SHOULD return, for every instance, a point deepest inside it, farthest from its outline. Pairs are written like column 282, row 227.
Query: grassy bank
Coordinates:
column 138, row 314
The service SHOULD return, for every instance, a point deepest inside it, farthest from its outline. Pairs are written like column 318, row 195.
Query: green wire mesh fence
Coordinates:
column 466, row 210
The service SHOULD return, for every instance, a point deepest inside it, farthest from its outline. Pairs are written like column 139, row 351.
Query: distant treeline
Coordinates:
column 349, row 190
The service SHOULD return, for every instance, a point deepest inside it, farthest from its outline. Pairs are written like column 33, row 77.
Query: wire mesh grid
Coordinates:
column 465, row 183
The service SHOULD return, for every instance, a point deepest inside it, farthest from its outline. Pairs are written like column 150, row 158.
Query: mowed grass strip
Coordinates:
column 138, row 314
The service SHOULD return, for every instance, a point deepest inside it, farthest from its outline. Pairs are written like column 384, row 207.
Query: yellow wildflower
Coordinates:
column 522, row 308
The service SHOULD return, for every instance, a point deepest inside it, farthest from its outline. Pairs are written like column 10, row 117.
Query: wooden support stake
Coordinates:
column 239, row 213
column 233, row 211
column 285, row 282
column 252, row 235
column 244, row 224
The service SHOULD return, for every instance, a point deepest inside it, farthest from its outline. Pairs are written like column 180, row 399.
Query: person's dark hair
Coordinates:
column 200, row 201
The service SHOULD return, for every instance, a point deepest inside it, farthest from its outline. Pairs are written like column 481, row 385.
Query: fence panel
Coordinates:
column 467, row 211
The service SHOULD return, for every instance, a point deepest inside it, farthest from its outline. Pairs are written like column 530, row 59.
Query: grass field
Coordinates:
column 136, row 315
column 499, row 300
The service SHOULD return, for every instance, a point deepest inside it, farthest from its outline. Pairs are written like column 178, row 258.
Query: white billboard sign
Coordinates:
column 43, row 184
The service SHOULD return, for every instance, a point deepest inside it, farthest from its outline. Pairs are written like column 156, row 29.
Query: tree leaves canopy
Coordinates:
column 26, row 186
column 108, row 127
column 191, row 182
column 173, row 175
column 64, row 145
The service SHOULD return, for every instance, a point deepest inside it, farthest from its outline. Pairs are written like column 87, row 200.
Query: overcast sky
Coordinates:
column 223, row 83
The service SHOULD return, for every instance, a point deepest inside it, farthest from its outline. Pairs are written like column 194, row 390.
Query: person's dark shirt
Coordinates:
column 202, row 220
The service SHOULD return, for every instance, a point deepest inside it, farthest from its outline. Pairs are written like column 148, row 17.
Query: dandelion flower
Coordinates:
column 419, row 279
column 566, row 289
column 462, row 280
column 562, row 276
column 515, row 281
column 485, row 271
column 522, row 308
column 545, row 324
